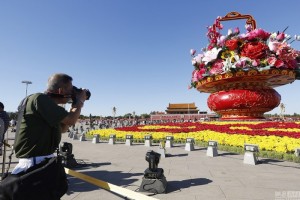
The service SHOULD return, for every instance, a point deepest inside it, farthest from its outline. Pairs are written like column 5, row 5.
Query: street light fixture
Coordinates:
column 27, row 83
column 114, row 111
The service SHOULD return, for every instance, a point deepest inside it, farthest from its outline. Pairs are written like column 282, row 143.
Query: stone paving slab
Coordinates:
column 190, row 175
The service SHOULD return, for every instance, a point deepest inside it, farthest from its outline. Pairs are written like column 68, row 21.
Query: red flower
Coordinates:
column 232, row 44
column 254, row 50
column 291, row 64
column 275, row 62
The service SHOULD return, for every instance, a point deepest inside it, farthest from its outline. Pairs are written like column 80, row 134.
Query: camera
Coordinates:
column 153, row 172
column 65, row 153
column 153, row 159
column 78, row 90
column 66, row 148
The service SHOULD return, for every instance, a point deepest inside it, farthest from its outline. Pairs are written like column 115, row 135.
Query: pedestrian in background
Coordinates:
column 4, row 116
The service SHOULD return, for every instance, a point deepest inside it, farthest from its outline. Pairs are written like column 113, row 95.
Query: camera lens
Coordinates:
column 76, row 90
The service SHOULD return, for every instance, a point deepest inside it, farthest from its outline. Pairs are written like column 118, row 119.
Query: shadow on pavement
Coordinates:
column 228, row 154
column 177, row 155
column 274, row 162
column 114, row 177
column 200, row 149
column 84, row 165
column 178, row 185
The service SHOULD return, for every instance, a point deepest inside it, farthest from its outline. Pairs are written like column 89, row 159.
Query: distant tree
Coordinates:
column 128, row 115
column 13, row 115
column 145, row 116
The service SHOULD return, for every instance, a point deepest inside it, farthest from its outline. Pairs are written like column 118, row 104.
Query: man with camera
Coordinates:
column 44, row 121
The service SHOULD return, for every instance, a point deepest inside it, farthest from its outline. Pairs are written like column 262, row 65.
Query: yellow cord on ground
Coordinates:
column 108, row 186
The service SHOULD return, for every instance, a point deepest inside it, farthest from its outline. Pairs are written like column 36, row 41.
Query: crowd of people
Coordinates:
column 125, row 122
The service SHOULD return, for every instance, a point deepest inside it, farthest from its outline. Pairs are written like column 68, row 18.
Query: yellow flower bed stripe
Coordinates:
column 166, row 127
column 271, row 143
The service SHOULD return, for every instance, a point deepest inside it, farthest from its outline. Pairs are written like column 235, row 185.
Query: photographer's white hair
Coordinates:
column 57, row 81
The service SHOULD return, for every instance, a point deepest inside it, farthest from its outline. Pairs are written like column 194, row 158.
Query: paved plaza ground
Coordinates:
column 190, row 174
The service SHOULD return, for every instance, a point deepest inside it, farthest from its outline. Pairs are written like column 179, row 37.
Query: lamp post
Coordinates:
column 27, row 83
column 189, row 111
column 114, row 111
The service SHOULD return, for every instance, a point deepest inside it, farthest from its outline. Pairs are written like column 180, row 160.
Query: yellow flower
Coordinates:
column 228, row 54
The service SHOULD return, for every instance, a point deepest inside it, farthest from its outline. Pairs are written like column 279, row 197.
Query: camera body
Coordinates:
column 65, row 152
column 78, row 90
column 66, row 148
column 153, row 172
column 153, row 159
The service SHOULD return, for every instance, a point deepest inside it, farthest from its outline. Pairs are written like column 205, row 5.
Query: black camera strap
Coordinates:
column 51, row 94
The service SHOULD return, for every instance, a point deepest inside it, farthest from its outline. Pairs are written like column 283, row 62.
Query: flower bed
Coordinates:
column 282, row 137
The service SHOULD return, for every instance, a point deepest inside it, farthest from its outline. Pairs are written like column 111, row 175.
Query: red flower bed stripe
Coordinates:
column 256, row 129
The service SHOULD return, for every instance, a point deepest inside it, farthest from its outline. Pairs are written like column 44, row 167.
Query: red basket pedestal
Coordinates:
column 245, row 95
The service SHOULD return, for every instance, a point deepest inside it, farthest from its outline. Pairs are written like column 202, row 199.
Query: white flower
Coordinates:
column 211, row 55
column 198, row 58
column 221, row 40
column 227, row 65
column 194, row 62
column 287, row 37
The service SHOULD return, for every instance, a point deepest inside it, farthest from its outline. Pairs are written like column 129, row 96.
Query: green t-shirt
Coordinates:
column 40, row 131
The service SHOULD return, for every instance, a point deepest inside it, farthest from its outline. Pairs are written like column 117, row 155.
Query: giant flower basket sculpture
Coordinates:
column 241, row 70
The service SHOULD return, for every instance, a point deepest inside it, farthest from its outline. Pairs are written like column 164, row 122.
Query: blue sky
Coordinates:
column 131, row 54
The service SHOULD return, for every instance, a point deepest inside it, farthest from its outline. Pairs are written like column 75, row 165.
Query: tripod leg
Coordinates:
column 3, row 159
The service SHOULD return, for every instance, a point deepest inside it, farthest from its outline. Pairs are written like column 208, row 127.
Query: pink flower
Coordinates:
column 274, row 62
column 241, row 62
column 217, row 67
column 197, row 74
column 237, row 30
column 248, row 27
column 255, row 62
column 273, row 45
column 194, row 76
column 258, row 33
column 192, row 52
column 285, row 52
column 280, row 36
